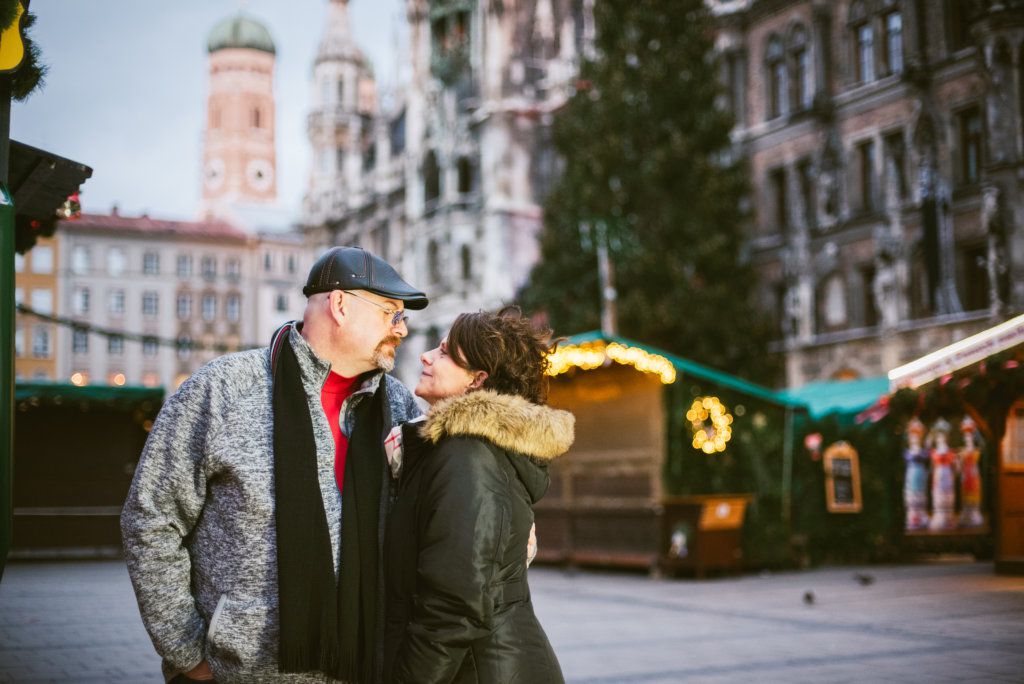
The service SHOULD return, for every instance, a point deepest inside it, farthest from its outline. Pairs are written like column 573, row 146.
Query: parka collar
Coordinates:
column 510, row 422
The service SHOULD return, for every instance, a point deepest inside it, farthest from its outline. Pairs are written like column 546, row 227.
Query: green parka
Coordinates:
column 458, row 603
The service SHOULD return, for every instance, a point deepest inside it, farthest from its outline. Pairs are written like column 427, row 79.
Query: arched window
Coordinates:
column 801, row 73
column 431, row 177
column 775, row 64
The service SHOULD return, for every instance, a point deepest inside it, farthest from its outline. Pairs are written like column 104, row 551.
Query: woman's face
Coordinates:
column 441, row 376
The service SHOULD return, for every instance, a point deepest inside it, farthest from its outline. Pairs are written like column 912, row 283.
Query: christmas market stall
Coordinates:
column 75, row 450
column 675, row 466
column 960, row 411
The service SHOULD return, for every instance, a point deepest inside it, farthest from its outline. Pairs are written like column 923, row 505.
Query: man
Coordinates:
column 253, row 525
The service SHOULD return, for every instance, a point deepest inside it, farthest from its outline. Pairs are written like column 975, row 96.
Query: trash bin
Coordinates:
column 702, row 532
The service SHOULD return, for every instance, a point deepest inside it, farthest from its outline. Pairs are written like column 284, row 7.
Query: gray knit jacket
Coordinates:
column 198, row 524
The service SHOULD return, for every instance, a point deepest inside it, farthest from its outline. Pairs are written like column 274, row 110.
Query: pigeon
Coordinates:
column 809, row 597
column 864, row 578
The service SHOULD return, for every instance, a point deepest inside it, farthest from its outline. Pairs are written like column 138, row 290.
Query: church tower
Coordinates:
column 340, row 124
column 238, row 150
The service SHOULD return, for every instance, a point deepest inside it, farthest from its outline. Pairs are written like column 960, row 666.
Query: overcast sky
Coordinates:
column 126, row 88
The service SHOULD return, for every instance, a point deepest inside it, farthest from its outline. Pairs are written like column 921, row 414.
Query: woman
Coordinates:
column 458, row 603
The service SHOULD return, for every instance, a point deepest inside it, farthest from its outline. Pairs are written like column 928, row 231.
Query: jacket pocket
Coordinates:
column 215, row 618
column 238, row 638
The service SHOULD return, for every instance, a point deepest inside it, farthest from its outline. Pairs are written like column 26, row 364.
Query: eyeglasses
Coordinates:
column 397, row 315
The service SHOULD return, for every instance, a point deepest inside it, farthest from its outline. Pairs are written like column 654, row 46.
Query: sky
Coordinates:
column 126, row 91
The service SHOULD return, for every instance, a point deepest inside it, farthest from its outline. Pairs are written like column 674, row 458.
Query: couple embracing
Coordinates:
column 294, row 518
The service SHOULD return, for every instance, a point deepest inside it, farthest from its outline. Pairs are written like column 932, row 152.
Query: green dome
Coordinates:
column 240, row 31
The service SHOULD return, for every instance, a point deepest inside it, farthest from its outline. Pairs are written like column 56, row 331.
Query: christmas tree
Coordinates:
column 649, row 168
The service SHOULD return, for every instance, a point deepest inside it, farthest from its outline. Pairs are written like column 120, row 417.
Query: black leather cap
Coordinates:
column 353, row 268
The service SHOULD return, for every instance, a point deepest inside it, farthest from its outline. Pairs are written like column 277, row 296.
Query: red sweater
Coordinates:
column 336, row 390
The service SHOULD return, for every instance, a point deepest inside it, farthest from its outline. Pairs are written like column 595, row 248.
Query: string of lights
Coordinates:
column 176, row 343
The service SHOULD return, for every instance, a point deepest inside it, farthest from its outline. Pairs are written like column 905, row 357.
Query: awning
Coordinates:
column 958, row 355
column 842, row 396
column 33, row 394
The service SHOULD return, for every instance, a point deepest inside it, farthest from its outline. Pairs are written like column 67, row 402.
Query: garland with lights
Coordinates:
column 709, row 437
column 590, row 355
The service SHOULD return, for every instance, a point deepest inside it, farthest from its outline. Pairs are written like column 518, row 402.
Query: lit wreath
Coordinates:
column 711, row 424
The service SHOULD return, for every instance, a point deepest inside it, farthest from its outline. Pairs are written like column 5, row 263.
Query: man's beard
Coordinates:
column 385, row 359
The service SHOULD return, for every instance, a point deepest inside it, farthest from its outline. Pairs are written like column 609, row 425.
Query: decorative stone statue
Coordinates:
column 943, row 478
column 970, row 477
column 915, row 482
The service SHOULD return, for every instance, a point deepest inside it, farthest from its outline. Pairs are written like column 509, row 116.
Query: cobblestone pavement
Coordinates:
column 77, row 622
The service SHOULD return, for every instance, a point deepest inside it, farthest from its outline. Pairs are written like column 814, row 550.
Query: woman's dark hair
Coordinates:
column 508, row 347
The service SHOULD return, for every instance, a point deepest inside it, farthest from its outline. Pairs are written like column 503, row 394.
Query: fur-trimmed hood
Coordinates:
column 510, row 422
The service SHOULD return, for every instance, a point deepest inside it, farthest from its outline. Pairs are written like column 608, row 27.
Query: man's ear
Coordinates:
column 478, row 380
column 336, row 306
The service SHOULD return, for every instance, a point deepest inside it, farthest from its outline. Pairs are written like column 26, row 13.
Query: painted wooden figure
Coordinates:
column 943, row 477
column 970, row 477
column 915, row 483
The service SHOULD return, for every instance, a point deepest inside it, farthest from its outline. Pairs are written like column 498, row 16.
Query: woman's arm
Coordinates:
column 463, row 519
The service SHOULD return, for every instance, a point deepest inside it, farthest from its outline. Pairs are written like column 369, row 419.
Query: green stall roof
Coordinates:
column 839, row 396
column 55, row 394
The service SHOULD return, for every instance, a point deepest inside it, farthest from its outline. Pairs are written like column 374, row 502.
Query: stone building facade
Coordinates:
column 885, row 147
column 36, row 286
column 447, row 182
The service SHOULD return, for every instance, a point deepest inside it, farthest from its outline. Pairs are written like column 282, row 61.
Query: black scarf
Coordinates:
column 326, row 625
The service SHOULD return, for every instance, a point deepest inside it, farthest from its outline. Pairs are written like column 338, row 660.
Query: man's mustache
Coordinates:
column 394, row 340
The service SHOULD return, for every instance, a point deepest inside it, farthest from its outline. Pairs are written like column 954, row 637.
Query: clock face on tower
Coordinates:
column 259, row 174
column 214, row 173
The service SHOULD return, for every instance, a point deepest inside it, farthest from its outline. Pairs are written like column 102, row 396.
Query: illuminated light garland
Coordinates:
column 590, row 355
column 709, row 437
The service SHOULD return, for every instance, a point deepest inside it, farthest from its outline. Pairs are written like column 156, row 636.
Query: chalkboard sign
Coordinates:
column 842, row 478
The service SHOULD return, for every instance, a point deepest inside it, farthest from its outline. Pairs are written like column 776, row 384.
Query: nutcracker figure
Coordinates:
column 915, row 482
column 970, row 476
column 943, row 478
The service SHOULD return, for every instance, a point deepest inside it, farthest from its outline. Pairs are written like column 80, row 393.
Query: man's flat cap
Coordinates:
column 353, row 268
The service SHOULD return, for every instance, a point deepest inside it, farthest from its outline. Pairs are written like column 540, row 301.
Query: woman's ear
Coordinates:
column 478, row 380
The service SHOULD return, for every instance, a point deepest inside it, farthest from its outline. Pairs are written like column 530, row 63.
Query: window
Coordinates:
column 291, row 264
column 805, row 176
column 733, row 66
column 969, row 125
column 208, row 267
column 19, row 296
column 869, row 307
column 959, row 27
column 779, row 199
column 184, row 348
column 868, row 180
column 896, row 164
column 233, row 308
column 431, row 178
column 465, row 175
column 467, row 262
column 149, row 346
column 151, row 263
column 209, row 307
column 864, row 58
column 184, row 266
column 834, row 302
column 233, row 269
column 80, row 260
column 256, row 118
column 282, row 303
column 800, row 56
column 115, row 345
column 80, row 301
column 115, row 302
column 115, row 261
column 42, row 259
column 42, row 301
column 433, row 262
column 149, row 303
column 777, row 87
column 268, row 262
column 339, row 159
column 19, row 342
column 41, row 342
column 79, row 341
column 183, row 306
column 973, row 276
column 19, row 262
column 893, row 26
